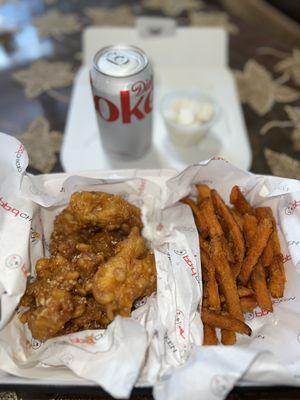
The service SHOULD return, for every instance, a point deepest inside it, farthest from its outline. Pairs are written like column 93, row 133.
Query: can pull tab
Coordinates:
column 117, row 58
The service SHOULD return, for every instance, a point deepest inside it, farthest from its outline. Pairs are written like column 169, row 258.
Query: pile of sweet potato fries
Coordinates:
column 241, row 261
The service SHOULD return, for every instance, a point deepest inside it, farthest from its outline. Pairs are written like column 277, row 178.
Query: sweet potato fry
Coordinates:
column 227, row 250
column 267, row 255
column 277, row 277
column 235, row 269
column 263, row 232
column 212, row 222
column 248, row 304
column 258, row 276
column 203, row 191
column 237, row 217
column 225, row 278
column 228, row 338
column 199, row 218
column 263, row 212
column 250, row 228
column 276, row 244
column 238, row 244
column 224, row 322
column 236, row 235
column 277, row 274
column 239, row 201
column 259, row 283
column 212, row 291
column 209, row 335
column 276, row 268
column 244, row 291
column 204, row 274
column 204, row 245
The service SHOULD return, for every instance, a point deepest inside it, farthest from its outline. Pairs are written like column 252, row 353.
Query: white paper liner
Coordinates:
column 160, row 344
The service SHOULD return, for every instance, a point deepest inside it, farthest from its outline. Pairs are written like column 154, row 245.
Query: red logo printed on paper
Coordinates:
column 15, row 211
column 135, row 103
column 261, row 313
column 220, row 385
column 286, row 258
column 19, row 154
column 291, row 207
column 179, row 322
column 142, row 186
column 90, row 339
column 34, row 236
column 219, row 158
column 13, row 261
column 85, row 340
column 191, row 266
column 36, row 344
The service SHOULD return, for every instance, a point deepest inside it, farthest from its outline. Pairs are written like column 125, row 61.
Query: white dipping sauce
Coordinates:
column 189, row 112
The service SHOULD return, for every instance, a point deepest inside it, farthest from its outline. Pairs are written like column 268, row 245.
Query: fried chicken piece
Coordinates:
column 65, row 223
column 92, row 318
column 90, row 234
column 88, row 214
column 49, row 298
column 127, row 276
column 100, row 242
column 75, row 278
column 67, row 233
column 106, row 242
column 55, row 272
column 54, row 308
column 103, row 210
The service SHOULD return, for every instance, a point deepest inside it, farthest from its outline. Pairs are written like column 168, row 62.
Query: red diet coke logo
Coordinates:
column 136, row 102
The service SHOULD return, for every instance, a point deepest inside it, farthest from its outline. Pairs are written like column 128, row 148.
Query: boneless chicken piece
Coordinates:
column 93, row 317
column 103, row 210
column 55, row 308
column 127, row 276
column 99, row 265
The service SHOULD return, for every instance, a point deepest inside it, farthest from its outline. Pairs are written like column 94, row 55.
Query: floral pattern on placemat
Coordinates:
column 214, row 18
column 42, row 144
column 56, row 24
column 121, row 16
column 290, row 66
column 293, row 122
column 8, row 396
column 258, row 89
column 42, row 76
column 172, row 8
column 282, row 165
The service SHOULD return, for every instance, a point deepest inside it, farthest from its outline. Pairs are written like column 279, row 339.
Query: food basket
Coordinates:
column 166, row 329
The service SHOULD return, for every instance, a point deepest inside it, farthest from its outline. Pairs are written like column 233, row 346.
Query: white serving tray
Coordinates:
column 190, row 58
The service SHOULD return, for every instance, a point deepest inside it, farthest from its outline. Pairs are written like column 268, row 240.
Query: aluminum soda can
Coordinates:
column 122, row 85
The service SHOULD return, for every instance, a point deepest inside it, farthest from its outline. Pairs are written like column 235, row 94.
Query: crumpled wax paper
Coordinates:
column 160, row 344
column 271, row 356
column 164, row 327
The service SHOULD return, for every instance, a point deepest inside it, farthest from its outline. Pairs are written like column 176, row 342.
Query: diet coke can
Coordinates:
column 122, row 85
